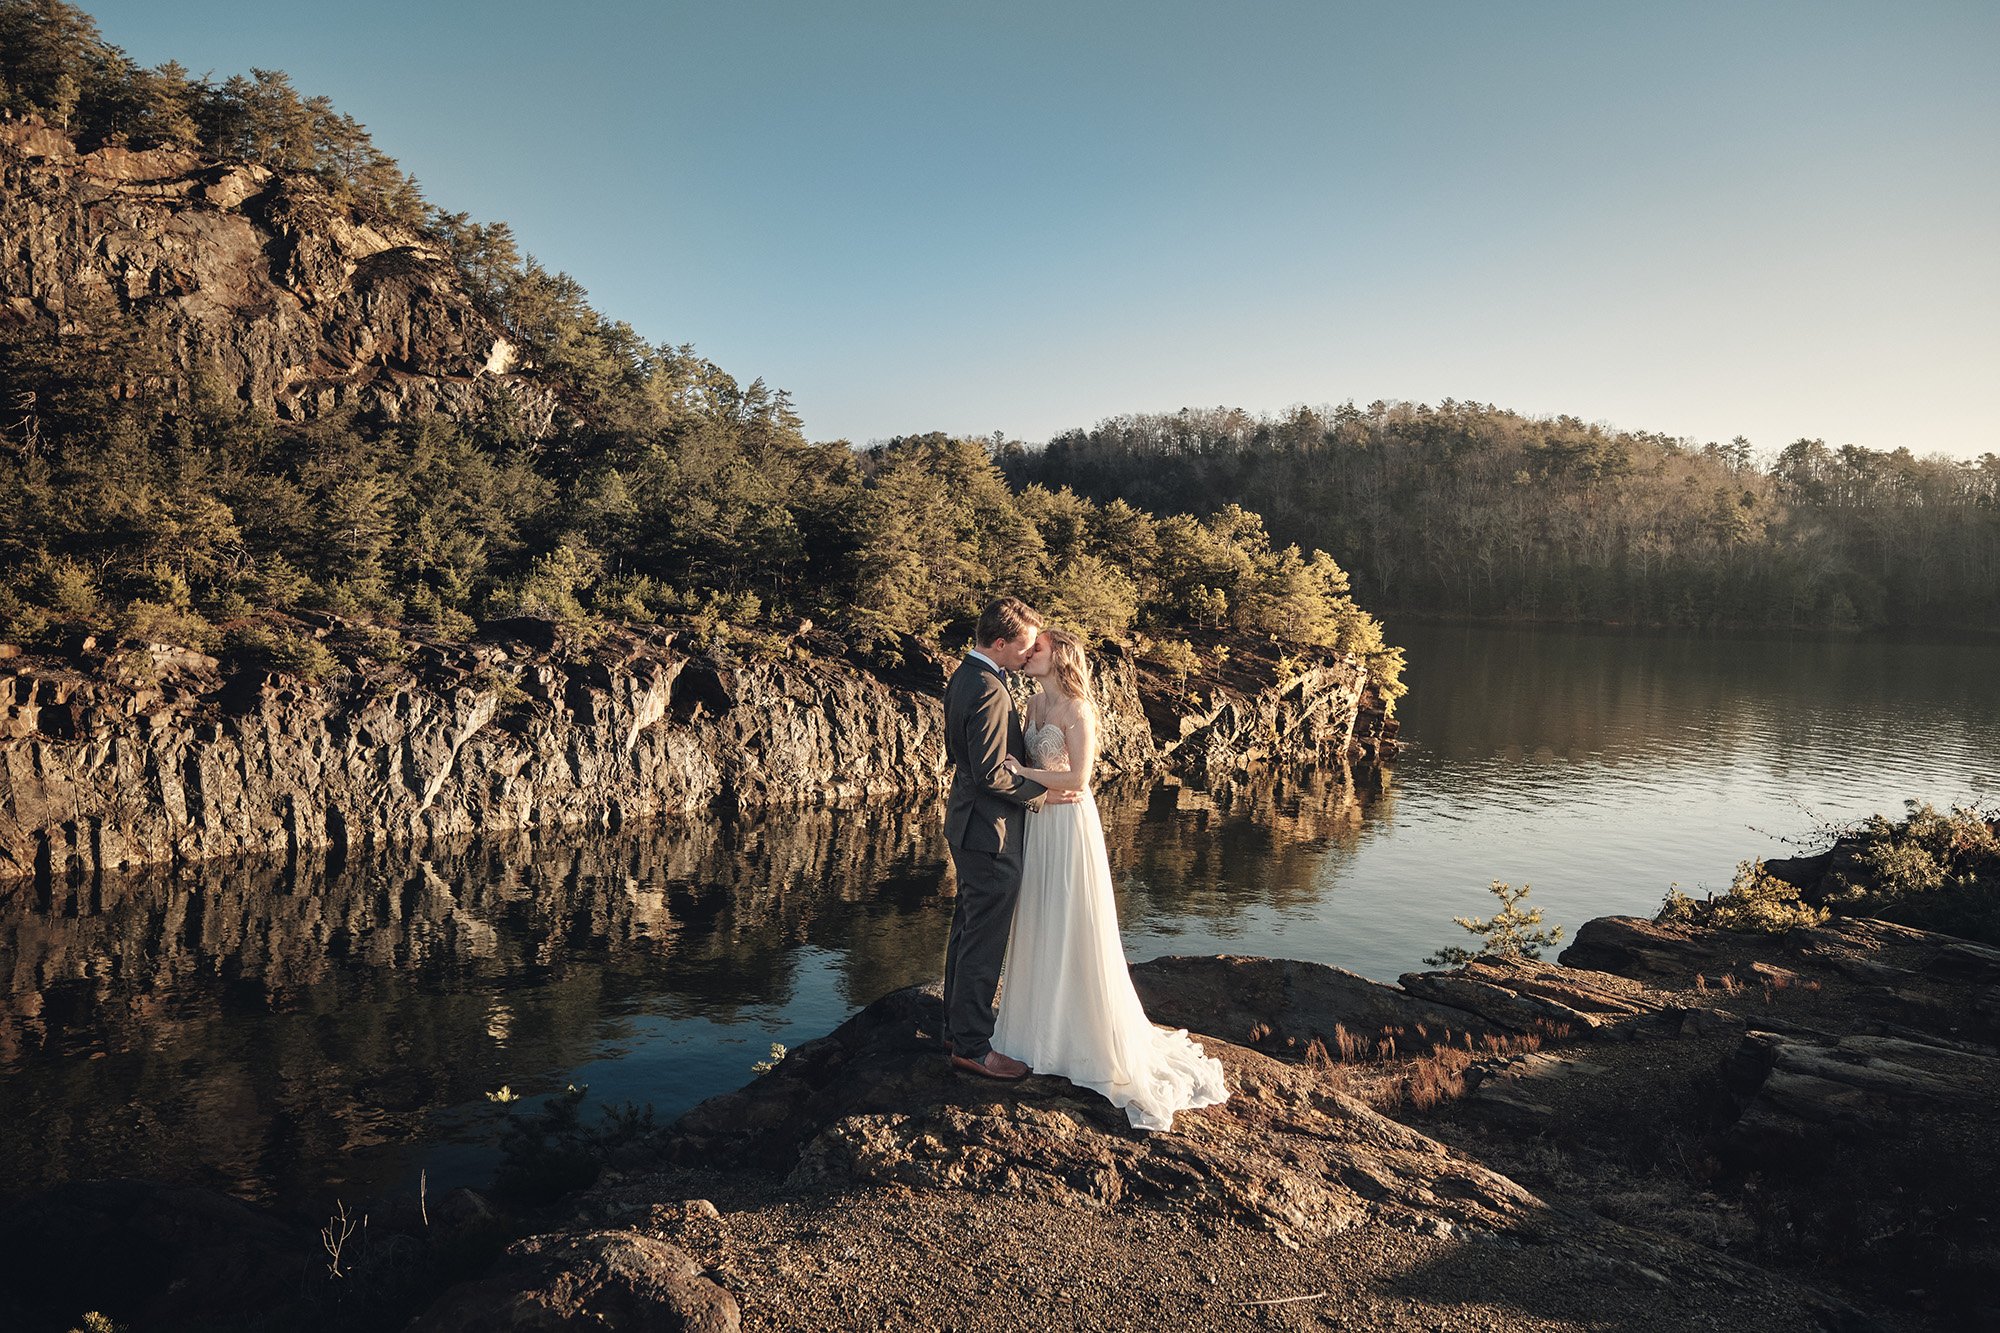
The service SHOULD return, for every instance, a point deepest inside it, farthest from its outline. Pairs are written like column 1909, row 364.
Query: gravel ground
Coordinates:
column 894, row 1259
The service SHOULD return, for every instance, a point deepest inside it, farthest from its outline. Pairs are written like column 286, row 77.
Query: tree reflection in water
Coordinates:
column 1185, row 855
column 290, row 1030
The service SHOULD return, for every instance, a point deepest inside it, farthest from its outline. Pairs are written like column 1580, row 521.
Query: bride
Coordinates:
column 1067, row 1006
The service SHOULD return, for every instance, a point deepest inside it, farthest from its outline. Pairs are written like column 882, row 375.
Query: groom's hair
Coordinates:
column 1005, row 618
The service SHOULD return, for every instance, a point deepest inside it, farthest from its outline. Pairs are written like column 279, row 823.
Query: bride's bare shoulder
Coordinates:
column 1069, row 713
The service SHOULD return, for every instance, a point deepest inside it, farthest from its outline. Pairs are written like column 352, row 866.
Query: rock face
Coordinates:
column 148, row 754
column 299, row 306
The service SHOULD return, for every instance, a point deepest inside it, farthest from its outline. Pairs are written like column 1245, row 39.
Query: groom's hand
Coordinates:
column 1056, row 796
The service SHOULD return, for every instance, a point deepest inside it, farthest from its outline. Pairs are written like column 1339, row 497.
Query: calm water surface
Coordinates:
column 296, row 1033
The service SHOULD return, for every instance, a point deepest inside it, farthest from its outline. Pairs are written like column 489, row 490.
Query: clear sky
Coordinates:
column 1769, row 219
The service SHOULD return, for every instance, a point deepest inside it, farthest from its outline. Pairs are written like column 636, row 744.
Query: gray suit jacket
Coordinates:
column 987, row 808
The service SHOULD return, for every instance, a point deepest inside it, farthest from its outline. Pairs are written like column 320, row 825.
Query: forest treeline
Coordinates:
column 670, row 490
column 1465, row 509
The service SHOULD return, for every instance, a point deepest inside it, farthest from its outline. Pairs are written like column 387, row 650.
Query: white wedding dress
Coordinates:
column 1067, row 1005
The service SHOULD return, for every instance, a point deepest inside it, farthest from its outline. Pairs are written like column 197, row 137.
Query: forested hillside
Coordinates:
column 144, row 495
column 1464, row 509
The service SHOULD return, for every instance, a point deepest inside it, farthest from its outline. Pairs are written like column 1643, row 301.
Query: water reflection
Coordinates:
column 1191, row 858
column 1555, row 694
column 281, row 1030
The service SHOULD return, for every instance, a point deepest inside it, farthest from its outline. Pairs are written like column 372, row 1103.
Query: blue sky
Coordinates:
column 1776, row 220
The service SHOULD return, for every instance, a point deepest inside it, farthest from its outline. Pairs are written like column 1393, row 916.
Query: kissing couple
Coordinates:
column 1034, row 888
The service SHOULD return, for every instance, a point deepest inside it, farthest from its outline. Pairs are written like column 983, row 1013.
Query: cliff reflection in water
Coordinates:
column 1187, row 856
column 289, row 1030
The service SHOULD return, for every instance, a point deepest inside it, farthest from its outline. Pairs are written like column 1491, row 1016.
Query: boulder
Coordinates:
column 1281, row 1006
column 1524, row 996
column 1631, row 946
column 594, row 1280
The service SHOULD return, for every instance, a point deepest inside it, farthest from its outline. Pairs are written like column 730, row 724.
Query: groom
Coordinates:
column 985, row 823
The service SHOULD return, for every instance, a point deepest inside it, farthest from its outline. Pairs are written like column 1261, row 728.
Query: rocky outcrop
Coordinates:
column 874, row 1103
column 1285, row 1006
column 1632, row 946
column 1856, row 1065
column 1522, row 995
column 869, row 1119
column 1282, row 1006
column 261, row 280
column 1913, row 980
column 1802, row 1093
column 145, row 753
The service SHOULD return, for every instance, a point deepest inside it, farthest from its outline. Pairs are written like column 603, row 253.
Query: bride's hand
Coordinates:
column 1012, row 765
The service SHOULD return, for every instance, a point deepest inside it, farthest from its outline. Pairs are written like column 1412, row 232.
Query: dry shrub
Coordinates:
column 1511, row 1044
column 1437, row 1077
column 1321, row 1062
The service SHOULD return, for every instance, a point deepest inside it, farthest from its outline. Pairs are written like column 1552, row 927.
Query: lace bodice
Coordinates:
column 1046, row 747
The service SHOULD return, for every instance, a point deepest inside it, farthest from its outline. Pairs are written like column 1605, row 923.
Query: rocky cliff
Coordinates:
column 262, row 280
column 142, row 753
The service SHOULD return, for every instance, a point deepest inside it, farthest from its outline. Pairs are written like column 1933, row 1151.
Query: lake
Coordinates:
column 296, row 1033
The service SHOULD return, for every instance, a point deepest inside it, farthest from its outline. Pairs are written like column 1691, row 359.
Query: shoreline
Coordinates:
column 1649, row 1125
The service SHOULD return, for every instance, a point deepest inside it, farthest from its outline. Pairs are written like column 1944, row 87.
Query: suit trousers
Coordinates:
column 988, row 884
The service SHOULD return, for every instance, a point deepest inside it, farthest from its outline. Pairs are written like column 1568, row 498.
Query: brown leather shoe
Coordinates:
column 991, row 1065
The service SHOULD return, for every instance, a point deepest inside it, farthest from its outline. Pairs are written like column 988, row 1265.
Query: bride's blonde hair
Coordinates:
column 1068, row 664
